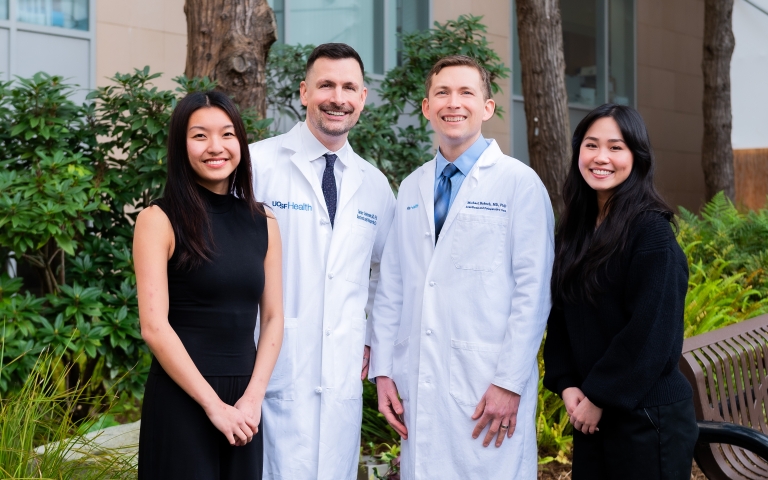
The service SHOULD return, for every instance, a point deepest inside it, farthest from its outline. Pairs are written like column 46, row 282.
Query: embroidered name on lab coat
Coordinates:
column 367, row 217
column 412, row 207
column 292, row 206
column 492, row 206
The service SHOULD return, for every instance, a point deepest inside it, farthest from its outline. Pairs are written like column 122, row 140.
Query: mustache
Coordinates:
column 335, row 107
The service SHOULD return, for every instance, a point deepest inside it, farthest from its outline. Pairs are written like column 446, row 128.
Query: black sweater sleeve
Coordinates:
column 649, row 344
column 559, row 365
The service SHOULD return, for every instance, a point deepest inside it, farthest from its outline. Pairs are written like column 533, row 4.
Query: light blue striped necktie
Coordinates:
column 443, row 197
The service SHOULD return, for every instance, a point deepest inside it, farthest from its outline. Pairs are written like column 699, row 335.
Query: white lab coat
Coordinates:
column 452, row 318
column 313, row 406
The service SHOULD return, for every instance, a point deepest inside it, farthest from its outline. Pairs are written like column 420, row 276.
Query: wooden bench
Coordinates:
column 728, row 369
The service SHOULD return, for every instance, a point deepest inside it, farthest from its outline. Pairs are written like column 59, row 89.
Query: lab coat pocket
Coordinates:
column 400, row 367
column 281, row 383
column 473, row 366
column 478, row 242
column 357, row 252
column 348, row 344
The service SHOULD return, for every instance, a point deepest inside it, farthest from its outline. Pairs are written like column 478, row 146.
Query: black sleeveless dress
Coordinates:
column 213, row 310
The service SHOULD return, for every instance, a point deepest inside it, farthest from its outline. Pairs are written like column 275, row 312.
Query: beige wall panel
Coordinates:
column 669, row 94
column 689, row 90
column 496, row 15
column 137, row 33
column 656, row 87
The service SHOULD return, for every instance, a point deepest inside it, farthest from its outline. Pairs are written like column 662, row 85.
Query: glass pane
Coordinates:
column 346, row 21
column 621, row 77
column 412, row 16
column 3, row 9
column 55, row 13
column 278, row 6
column 583, row 66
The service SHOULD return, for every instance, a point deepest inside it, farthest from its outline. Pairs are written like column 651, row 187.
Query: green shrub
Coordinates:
column 72, row 180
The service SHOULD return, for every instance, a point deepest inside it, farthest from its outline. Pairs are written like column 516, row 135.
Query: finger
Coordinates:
column 512, row 426
column 500, row 436
column 240, row 435
column 397, row 406
column 394, row 421
column 479, row 409
column 230, row 438
column 480, row 426
column 492, row 432
column 364, row 373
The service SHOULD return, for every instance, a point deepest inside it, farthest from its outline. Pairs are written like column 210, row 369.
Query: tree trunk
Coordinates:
column 228, row 41
column 546, row 101
column 716, row 148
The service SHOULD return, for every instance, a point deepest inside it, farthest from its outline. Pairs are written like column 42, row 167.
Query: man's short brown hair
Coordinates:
column 460, row 61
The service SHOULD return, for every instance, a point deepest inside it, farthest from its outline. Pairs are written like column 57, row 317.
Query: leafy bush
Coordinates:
column 72, row 182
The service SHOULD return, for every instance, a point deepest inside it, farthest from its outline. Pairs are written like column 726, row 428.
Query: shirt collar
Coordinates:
column 466, row 160
column 315, row 150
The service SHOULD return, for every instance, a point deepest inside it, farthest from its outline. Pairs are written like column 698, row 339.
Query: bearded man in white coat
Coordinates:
column 464, row 296
column 334, row 210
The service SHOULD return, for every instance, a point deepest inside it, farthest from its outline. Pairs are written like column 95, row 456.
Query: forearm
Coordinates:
column 167, row 348
column 267, row 351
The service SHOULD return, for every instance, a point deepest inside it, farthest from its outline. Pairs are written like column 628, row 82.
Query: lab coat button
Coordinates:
column 429, row 332
column 426, row 234
column 319, row 390
column 330, row 275
column 432, row 284
column 328, row 333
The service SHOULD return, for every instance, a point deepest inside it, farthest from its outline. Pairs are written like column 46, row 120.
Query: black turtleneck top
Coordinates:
column 213, row 308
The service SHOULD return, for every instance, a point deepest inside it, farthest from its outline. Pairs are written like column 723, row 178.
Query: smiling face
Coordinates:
column 605, row 161
column 456, row 108
column 334, row 95
column 213, row 148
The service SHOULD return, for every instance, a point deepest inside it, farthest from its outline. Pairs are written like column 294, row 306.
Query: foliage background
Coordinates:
column 73, row 177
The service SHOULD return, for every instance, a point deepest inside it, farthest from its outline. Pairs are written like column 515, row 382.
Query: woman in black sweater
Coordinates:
column 615, row 332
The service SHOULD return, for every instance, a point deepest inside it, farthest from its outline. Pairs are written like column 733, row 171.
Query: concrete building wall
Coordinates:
column 497, row 16
column 669, row 94
column 749, row 74
column 136, row 33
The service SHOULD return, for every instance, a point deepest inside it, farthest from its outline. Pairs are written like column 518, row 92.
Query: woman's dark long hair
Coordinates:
column 181, row 197
column 581, row 250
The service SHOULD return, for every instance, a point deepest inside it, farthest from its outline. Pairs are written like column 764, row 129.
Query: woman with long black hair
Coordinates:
column 208, row 261
column 615, row 331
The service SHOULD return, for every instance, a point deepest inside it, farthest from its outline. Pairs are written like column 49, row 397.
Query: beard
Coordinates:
column 333, row 129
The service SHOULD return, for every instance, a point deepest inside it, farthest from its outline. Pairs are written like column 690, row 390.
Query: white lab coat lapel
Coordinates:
column 293, row 142
column 353, row 178
column 489, row 157
column 427, row 189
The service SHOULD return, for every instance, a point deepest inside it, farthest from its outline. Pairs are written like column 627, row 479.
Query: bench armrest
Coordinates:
column 737, row 435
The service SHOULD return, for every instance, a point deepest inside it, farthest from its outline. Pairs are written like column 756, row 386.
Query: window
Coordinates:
column 53, row 36
column 369, row 26
column 598, row 46
column 72, row 14
column 599, row 51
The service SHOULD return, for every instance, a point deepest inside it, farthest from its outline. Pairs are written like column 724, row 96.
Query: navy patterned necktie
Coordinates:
column 329, row 185
column 443, row 197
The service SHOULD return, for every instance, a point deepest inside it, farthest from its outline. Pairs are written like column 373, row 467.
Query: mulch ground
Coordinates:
column 557, row 471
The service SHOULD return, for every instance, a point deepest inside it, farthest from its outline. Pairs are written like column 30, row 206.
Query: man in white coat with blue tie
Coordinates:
column 334, row 210
column 464, row 295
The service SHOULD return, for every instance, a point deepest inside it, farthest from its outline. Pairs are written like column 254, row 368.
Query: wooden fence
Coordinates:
column 751, row 175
